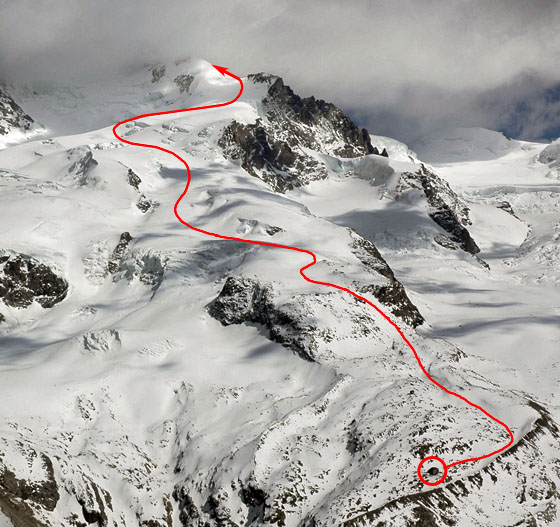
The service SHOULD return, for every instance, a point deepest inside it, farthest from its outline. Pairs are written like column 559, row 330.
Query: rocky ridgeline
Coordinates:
column 12, row 117
column 274, row 149
column 506, row 206
column 392, row 294
column 24, row 280
column 446, row 209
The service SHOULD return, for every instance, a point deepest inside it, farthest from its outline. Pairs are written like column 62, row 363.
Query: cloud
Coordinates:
column 402, row 67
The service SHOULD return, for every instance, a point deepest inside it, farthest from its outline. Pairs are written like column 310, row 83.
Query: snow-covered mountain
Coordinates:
column 153, row 376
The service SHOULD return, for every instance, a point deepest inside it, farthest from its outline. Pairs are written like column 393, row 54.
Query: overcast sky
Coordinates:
column 399, row 67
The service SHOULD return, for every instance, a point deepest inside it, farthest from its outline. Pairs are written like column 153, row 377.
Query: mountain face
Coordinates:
column 154, row 376
column 13, row 120
column 445, row 208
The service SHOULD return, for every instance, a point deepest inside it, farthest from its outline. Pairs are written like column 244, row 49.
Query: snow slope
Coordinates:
column 134, row 402
column 515, row 308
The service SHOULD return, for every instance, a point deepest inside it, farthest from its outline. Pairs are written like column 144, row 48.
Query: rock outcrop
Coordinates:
column 446, row 209
column 118, row 252
column 24, row 280
column 82, row 163
column 12, row 117
column 550, row 155
column 20, row 499
column 506, row 206
column 144, row 204
column 184, row 82
column 392, row 294
column 245, row 300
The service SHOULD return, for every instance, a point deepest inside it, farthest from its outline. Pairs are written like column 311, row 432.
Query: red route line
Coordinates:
column 224, row 72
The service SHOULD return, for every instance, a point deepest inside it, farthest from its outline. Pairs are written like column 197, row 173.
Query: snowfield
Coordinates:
column 175, row 379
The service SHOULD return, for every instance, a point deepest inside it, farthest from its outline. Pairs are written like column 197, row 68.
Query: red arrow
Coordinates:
column 221, row 69
column 224, row 72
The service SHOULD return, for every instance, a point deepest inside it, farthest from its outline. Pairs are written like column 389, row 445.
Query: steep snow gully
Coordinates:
column 224, row 72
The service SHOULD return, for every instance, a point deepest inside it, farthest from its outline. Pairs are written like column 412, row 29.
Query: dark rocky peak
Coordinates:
column 276, row 147
column 264, row 156
column 12, row 117
column 282, row 104
column 24, row 280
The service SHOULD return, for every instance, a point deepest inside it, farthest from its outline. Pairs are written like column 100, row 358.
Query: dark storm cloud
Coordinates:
column 401, row 66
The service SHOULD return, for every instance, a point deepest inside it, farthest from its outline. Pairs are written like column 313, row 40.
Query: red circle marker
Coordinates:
column 435, row 483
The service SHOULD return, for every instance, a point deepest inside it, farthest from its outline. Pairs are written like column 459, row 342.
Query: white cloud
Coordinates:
column 428, row 61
